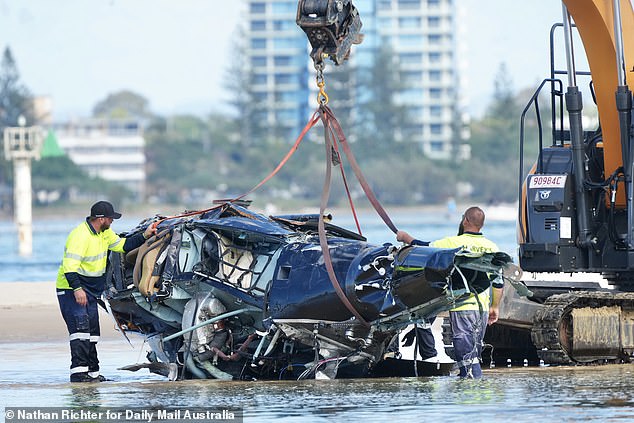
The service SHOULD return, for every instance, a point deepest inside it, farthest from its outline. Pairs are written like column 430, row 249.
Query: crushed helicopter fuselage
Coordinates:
column 232, row 294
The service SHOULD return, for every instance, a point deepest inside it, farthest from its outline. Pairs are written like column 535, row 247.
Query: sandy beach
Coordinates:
column 29, row 313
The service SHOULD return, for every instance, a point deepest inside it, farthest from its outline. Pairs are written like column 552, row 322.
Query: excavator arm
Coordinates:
column 594, row 20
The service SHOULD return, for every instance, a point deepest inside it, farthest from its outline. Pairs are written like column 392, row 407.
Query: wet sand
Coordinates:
column 29, row 313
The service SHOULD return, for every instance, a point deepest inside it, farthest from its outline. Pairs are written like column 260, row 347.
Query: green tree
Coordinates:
column 15, row 98
column 494, row 138
column 60, row 174
column 56, row 173
column 186, row 153
column 495, row 141
column 504, row 104
column 410, row 180
column 383, row 115
column 15, row 101
column 123, row 105
column 250, row 109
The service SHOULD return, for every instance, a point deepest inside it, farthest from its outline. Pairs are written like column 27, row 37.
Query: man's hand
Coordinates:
column 494, row 314
column 408, row 339
column 151, row 230
column 80, row 297
column 494, row 309
column 402, row 236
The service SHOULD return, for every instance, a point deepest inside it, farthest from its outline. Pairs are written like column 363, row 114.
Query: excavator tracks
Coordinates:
column 585, row 327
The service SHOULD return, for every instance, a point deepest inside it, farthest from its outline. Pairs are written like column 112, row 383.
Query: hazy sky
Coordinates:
column 175, row 52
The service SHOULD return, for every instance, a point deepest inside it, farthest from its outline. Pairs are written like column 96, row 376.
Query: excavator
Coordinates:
column 576, row 209
column 576, row 203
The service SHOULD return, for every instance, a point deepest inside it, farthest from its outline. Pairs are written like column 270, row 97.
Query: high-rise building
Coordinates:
column 276, row 51
column 420, row 34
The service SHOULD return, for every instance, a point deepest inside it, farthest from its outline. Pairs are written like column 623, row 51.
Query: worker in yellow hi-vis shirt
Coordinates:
column 81, row 280
column 468, row 320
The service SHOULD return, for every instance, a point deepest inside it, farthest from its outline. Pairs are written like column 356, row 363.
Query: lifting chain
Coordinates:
column 322, row 97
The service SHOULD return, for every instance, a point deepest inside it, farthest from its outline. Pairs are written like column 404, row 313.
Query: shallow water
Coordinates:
column 35, row 375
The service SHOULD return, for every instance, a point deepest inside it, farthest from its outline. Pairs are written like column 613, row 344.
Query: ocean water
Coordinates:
column 49, row 237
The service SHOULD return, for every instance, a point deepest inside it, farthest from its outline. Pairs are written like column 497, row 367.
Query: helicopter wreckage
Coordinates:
column 232, row 294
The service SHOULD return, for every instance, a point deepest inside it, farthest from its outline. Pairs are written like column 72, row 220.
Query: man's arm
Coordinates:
column 137, row 240
column 133, row 242
column 74, row 253
column 402, row 236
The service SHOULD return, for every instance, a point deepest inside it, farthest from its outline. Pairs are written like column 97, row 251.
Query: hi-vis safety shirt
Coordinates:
column 86, row 254
column 476, row 243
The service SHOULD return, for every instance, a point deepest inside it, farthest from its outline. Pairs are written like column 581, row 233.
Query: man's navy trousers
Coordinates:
column 83, row 330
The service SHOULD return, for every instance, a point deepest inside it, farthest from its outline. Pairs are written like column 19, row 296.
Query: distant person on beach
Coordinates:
column 451, row 207
column 467, row 320
column 81, row 280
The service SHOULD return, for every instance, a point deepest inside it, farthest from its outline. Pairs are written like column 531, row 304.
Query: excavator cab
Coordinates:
column 576, row 211
column 576, row 208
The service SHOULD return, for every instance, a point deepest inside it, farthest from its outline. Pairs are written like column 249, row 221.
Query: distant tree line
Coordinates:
column 14, row 101
column 191, row 159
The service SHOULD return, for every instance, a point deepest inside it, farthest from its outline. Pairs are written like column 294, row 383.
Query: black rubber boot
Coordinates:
column 83, row 377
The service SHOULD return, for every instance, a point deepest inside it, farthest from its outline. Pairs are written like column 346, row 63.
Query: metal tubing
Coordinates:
column 273, row 342
column 618, row 40
column 191, row 366
column 574, row 105
column 201, row 324
column 259, row 348
column 624, row 107
column 570, row 53
column 629, row 172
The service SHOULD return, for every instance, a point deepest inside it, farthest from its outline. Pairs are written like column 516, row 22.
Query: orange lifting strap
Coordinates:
column 334, row 138
column 333, row 135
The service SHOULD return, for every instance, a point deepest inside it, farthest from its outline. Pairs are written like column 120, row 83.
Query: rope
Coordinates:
column 311, row 122
column 323, row 242
column 355, row 167
column 333, row 136
column 345, row 182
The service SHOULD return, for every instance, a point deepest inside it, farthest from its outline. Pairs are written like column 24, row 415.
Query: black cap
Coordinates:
column 103, row 209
